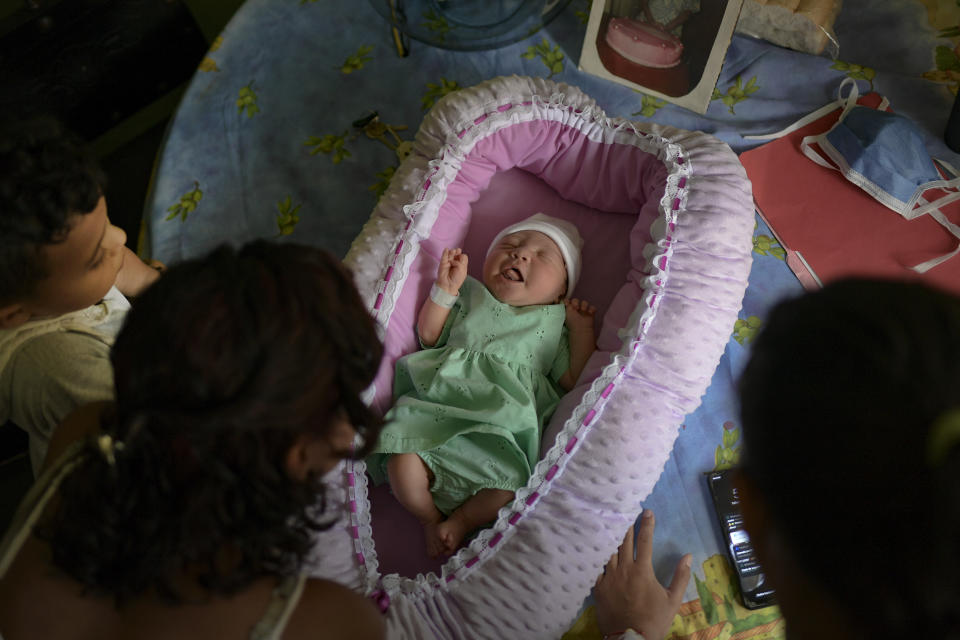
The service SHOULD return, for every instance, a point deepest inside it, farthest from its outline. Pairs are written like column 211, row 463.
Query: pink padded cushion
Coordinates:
column 670, row 292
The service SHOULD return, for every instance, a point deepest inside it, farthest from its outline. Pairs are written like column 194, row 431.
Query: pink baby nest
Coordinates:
column 667, row 220
column 644, row 44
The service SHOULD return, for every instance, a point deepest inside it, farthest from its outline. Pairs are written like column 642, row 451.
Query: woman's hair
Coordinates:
column 839, row 400
column 47, row 175
column 220, row 367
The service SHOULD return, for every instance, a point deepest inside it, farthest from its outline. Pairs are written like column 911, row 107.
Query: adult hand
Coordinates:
column 628, row 595
column 452, row 271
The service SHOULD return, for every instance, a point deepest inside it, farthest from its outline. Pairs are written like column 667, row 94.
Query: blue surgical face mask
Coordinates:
column 884, row 154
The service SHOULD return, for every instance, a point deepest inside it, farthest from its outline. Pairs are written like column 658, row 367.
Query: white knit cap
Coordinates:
column 563, row 233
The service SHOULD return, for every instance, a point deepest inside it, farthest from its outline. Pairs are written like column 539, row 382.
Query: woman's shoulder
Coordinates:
column 335, row 612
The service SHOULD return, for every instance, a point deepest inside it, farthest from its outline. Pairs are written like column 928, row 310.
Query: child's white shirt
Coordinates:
column 50, row 366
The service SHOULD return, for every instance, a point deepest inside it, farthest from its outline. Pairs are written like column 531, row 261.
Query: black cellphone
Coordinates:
column 754, row 590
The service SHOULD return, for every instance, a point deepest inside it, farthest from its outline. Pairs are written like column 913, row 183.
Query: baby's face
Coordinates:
column 525, row 268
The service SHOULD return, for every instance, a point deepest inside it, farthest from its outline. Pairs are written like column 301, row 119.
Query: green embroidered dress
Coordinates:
column 473, row 406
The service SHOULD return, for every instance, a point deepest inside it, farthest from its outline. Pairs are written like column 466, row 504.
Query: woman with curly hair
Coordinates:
column 186, row 508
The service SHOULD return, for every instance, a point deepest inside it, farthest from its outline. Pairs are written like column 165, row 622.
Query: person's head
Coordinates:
column 58, row 250
column 535, row 261
column 238, row 383
column 850, row 478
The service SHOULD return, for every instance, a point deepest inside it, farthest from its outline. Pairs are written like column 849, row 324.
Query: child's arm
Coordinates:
column 451, row 273
column 582, row 340
column 136, row 275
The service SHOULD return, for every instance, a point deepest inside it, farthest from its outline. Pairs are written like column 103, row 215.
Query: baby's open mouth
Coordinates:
column 512, row 274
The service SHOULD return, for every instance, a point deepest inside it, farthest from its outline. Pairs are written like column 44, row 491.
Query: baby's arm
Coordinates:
column 582, row 340
column 135, row 275
column 451, row 273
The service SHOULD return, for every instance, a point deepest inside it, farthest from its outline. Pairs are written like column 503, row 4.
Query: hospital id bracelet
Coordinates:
column 441, row 297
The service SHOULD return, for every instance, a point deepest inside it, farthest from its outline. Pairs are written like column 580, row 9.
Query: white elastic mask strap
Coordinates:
column 939, row 216
column 847, row 103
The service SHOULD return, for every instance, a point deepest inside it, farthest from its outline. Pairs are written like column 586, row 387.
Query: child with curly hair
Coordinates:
column 65, row 273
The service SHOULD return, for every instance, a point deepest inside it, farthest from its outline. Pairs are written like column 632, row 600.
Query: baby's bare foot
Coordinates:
column 435, row 545
column 451, row 533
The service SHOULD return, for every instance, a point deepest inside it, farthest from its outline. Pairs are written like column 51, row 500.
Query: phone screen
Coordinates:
column 753, row 588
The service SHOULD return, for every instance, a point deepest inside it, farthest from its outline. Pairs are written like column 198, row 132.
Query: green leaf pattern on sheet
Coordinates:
column 648, row 105
column 948, row 66
column 745, row 329
column 209, row 64
column 551, row 57
column 728, row 608
column 942, row 18
column 437, row 24
column 532, row 31
column 187, row 204
column 247, row 101
column 706, row 600
column 287, row 217
column 583, row 11
column 947, row 59
column 764, row 617
column 727, row 454
column 437, row 91
column 331, row 144
column 765, row 245
column 737, row 92
column 357, row 61
column 855, row 71
column 384, row 177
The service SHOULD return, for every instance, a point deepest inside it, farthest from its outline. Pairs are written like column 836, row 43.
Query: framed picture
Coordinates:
column 669, row 49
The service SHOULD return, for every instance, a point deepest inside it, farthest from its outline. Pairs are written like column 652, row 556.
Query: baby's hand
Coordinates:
column 579, row 314
column 452, row 270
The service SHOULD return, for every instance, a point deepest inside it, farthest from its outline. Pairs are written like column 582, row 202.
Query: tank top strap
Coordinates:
column 283, row 601
column 33, row 504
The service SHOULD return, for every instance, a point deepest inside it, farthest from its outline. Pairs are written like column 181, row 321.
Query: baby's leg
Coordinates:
column 479, row 509
column 410, row 482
